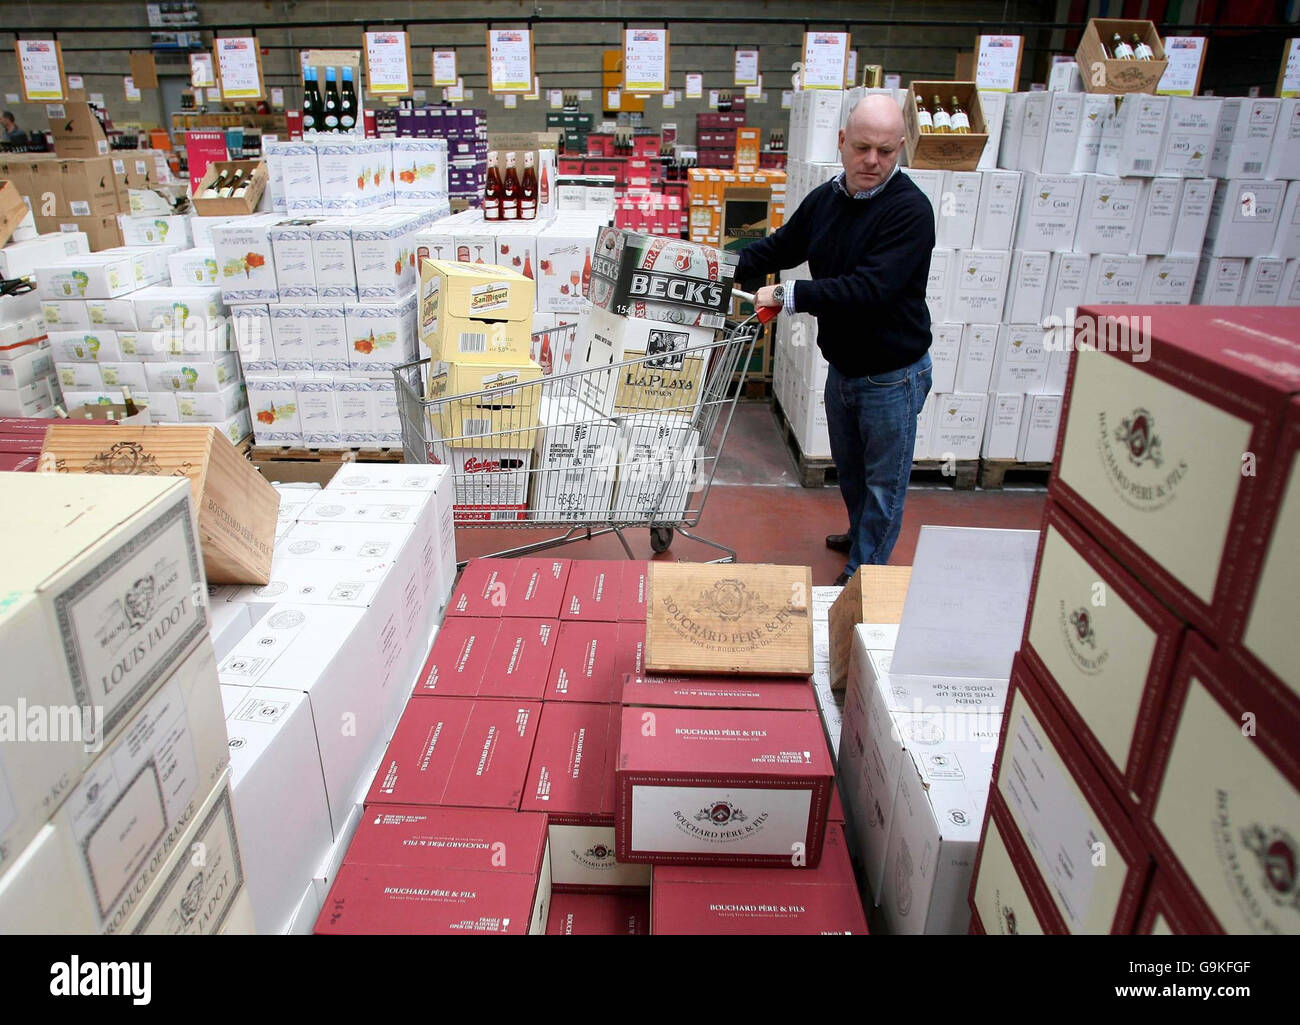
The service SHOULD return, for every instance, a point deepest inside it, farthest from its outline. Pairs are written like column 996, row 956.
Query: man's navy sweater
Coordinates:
column 870, row 259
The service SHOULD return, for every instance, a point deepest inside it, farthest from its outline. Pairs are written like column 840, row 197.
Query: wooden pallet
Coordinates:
column 289, row 453
column 995, row 472
column 757, row 389
column 962, row 474
column 813, row 472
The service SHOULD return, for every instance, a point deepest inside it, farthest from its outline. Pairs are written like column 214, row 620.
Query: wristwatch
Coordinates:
column 778, row 294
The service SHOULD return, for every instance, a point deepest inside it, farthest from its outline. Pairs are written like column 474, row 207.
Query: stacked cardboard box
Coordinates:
column 126, row 767
column 1078, row 198
column 722, row 202
column 1153, row 708
column 361, row 573
column 83, row 194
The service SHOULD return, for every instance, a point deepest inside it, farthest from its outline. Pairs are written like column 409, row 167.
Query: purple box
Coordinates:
column 405, row 123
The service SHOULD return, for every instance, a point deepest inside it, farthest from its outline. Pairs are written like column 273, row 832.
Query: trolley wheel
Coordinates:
column 661, row 538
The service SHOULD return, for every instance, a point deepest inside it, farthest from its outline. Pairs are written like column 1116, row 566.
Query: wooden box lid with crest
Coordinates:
column 236, row 506
column 729, row 619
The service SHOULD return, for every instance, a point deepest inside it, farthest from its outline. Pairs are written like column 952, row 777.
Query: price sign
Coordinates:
column 670, row 100
column 1186, row 56
column 1288, row 79
column 510, row 60
column 825, row 57
column 444, row 68
column 997, row 63
column 753, row 92
column 851, row 76
column 131, row 90
column 645, row 60
column 239, row 67
column 586, row 94
column 787, row 99
column 556, row 98
column 511, row 100
column 277, row 97
column 455, row 93
column 694, row 85
column 713, row 98
column 388, row 64
column 893, row 81
column 40, row 64
column 75, row 84
column 613, row 100
column 202, row 74
column 746, row 67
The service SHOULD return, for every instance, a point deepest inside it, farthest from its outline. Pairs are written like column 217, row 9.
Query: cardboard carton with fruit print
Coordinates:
column 383, row 252
column 273, row 403
column 419, row 170
column 245, row 259
column 380, row 337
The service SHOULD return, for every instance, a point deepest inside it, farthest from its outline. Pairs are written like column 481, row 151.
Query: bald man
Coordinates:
column 866, row 237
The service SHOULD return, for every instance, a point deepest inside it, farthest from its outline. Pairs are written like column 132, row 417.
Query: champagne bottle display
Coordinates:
column 348, row 103
column 528, row 190
column 510, row 194
column 942, row 122
column 1120, row 50
column 492, row 191
column 311, row 101
column 332, row 103
column 923, row 119
column 960, row 120
column 1141, row 51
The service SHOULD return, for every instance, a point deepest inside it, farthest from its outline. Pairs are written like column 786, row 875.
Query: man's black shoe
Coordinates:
column 839, row 543
column 843, row 579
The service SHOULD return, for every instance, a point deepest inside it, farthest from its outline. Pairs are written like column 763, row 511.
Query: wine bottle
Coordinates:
column 586, row 272
column 528, row 264
column 241, row 187
column 348, row 103
column 528, row 190
column 1141, row 51
column 310, row 101
column 492, row 191
column 128, row 402
column 228, row 190
column 213, row 191
column 510, row 191
column 1120, row 50
column 960, row 121
column 923, row 119
column 544, row 190
column 942, row 122
column 332, row 103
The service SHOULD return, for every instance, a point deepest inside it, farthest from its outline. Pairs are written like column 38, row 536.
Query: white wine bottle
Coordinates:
column 923, row 119
column 960, row 121
column 942, row 122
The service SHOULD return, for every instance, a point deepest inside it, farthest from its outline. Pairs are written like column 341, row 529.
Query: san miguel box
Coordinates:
column 441, row 871
column 571, row 779
column 1223, row 802
column 729, row 618
column 1103, row 648
column 652, row 278
column 721, row 787
column 1168, row 432
column 760, row 901
column 458, row 752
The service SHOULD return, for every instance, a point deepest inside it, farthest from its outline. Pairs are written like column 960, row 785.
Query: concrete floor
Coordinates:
column 757, row 507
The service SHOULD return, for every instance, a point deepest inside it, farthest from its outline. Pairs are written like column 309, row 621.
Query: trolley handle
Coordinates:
column 765, row 314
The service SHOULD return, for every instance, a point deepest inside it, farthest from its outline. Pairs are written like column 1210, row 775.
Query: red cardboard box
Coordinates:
column 484, row 588
column 1007, row 896
column 594, row 590
column 779, row 693
column 520, row 662
column 632, row 591
column 599, row 914
column 1103, row 648
column 571, row 165
column 458, row 752
column 18, row 463
column 1153, row 454
column 1264, row 640
column 599, row 144
column 646, row 146
column 571, row 779
column 1224, row 798
column 538, row 588
column 760, row 901
column 585, row 664
column 721, row 787
column 459, row 657
column 1078, row 836
column 1167, row 911
column 458, row 873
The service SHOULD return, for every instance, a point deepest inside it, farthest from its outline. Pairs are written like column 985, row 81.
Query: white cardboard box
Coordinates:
column 1263, row 283
column 1096, row 108
column 1190, row 130
column 1286, row 243
column 1244, row 139
column 193, row 267
column 945, row 351
column 937, row 285
column 1193, row 216
column 1021, row 363
column 1033, row 131
column 1062, row 132
column 1002, row 426
column 958, row 425
column 1219, row 281
column 975, row 361
column 1134, row 147
column 993, row 104
column 295, row 271
column 1038, row 429
column 273, row 752
column 1284, row 154
column 1168, row 281
column 979, row 286
column 958, row 207
column 331, row 247
column 1159, row 202
column 1027, row 287
column 575, row 462
column 1049, row 212
column 1114, row 279
column 1244, row 217
column 999, row 203
column 245, row 259
column 1108, row 215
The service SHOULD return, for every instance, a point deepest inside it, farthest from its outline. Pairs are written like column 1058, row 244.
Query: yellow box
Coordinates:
column 476, row 313
column 500, row 405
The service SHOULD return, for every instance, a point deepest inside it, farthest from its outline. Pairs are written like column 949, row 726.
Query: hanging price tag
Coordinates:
column 746, row 67
column 277, row 97
column 536, row 94
column 202, row 73
column 510, row 60
column 1288, row 79
column 455, row 93
column 129, row 87
column 713, row 98
column 239, row 67
column 670, row 100
column 1186, row 56
column 444, row 68
column 787, row 99
column 645, row 60
column 694, row 85
column 556, row 98
column 613, row 100
column 75, row 84
column 851, row 76
column 825, row 55
column 40, row 66
column 388, row 63
column 511, row 100
column 997, row 63
column 753, row 92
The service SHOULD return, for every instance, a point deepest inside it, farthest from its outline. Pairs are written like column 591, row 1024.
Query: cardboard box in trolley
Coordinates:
column 571, row 779
column 769, row 783
column 499, row 410
column 475, row 314
column 576, row 462
column 661, row 279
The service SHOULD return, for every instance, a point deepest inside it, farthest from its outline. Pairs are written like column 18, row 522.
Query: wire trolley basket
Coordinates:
column 632, row 443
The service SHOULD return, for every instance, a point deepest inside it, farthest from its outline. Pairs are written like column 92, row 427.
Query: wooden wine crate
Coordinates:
column 236, row 507
column 729, row 619
column 874, row 594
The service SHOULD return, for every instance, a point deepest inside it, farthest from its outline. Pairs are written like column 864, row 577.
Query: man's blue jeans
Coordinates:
column 872, row 425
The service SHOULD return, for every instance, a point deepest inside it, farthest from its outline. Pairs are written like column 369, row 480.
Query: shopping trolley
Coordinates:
column 597, row 450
